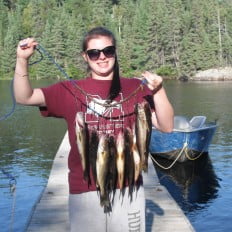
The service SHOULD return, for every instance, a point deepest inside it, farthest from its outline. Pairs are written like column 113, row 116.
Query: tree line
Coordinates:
column 170, row 37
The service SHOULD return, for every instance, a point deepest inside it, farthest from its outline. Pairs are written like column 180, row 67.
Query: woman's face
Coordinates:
column 102, row 67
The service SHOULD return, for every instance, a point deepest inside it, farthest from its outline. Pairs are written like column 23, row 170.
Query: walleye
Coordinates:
column 82, row 138
column 102, row 165
column 129, row 160
column 93, row 142
column 143, row 132
column 136, row 156
column 112, row 171
column 120, row 159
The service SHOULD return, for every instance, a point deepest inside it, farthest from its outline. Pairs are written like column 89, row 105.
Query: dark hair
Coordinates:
column 101, row 31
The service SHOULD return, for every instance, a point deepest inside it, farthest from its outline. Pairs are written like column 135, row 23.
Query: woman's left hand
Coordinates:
column 154, row 81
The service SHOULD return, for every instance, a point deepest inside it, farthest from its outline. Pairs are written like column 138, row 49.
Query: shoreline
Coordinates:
column 209, row 75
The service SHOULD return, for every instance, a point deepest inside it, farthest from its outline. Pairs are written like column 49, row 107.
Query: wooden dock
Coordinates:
column 51, row 211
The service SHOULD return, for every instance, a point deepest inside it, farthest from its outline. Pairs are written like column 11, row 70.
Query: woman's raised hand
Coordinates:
column 26, row 48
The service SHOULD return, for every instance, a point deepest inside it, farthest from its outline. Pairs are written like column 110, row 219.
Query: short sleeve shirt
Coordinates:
column 65, row 99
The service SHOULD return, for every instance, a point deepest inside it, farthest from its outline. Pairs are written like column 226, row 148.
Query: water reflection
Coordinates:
column 192, row 184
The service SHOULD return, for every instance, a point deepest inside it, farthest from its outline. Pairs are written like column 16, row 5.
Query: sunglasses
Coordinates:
column 94, row 54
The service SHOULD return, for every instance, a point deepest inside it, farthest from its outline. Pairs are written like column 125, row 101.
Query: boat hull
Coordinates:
column 190, row 144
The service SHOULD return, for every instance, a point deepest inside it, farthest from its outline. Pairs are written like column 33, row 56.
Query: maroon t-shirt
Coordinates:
column 65, row 99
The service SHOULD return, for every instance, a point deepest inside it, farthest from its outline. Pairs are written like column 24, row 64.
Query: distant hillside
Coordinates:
column 171, row 37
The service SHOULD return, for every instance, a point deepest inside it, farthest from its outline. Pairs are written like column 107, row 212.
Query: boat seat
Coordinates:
column 181, row 123
column 197, row 121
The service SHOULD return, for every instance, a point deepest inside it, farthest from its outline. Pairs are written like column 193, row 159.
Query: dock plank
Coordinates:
column 162, row 212
column 51, row 211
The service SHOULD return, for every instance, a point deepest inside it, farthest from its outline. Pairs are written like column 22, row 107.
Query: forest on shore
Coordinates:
column 173, row 38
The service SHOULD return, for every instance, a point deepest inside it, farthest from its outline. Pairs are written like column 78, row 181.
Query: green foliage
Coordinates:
column 167, row 71
column 170, row 36
column 9, row 46
column 75, row 73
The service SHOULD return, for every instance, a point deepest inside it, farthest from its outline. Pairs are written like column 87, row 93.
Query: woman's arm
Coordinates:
column 24, row 93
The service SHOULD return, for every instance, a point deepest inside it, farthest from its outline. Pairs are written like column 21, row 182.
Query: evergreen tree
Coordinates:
column 35, row 16
column 192, row 53
column 100, row 13
column 3, row 21
column 175, row 9
column 158, row 22
column 10, row 43
column 123, row 16
column 181, row 35
column 3, row 28
column 74, row 61
column 46, row 68
column 140, row 33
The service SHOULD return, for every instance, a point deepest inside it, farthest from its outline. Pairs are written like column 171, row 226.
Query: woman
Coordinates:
column 98, row 108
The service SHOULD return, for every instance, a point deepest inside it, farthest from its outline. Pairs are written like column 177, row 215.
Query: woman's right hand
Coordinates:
column 26, row 48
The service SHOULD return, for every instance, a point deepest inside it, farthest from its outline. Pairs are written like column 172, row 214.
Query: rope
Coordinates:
column 168, row 167
column 11, row 178
column 183, row 150
column 42, row 51
column 7, row 115
column 39, row 47
column 109, row 104
column 13, row 106
column 194, row 158
column 13, row 191
column 12, row 184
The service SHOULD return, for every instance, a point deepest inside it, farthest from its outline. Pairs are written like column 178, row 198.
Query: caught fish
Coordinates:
column 143, row 132
column 93, row 147
column 112, row 171
column 102, row 165
column 129, row 160
column 120, row 159
column 136, row 156
column 82, row 138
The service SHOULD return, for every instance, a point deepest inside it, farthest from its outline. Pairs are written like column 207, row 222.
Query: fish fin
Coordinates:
column 105, row 201
column 108, row 208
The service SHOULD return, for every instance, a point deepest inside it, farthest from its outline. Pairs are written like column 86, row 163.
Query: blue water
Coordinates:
column 28, row 143
column 216, row 213
column 203, row 190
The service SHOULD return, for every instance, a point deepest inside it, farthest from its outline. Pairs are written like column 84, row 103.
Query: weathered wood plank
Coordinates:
column 51, row 211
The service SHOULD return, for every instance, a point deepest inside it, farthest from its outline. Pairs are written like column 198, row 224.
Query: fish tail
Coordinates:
column 105, row 201
column 108, row 208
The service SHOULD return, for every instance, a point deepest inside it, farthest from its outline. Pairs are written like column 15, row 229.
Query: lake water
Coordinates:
column 28, row 143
